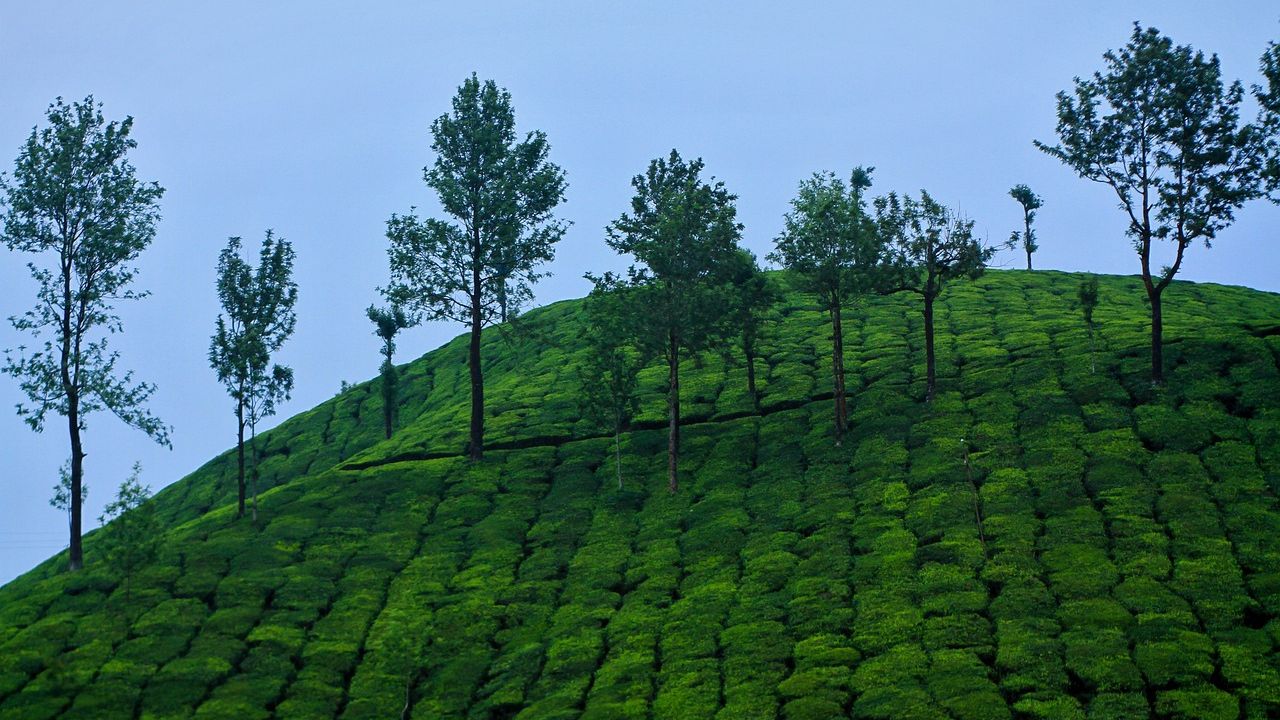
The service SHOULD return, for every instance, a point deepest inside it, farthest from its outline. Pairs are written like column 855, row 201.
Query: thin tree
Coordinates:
column 132, row 534
column 61, row 499
column 831, row 243
column 1030, row 203
column 751, row 296
column 927, row 245
column 388, row 322
column 1088, row 295
column 75, row 204
column 500, row 192
column 608, row 371
column 257, row 318
column 682, row 231
column 1162, row 131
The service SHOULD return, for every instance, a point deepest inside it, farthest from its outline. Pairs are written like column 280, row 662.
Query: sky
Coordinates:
column 312, row 119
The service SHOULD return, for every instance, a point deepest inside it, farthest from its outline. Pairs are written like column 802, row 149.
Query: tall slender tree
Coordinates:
column 1030, row 202
column 1162, row 131
column 831, row 243
column 927, row 245
column 751, row 295
column 388, row 322
column 682, row 231
column 75, row 204
column 1088, row 296
column 500, row 193
column 608, row 372
column 257, row 318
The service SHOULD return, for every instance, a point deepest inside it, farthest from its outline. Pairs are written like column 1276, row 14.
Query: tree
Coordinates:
column 751, row 295
column 681, row 231
column 1030, row 203
column 500, row 194
column 831, row 243
column 1160, row 129
column 61, row 499
column 608, row 373
column 927, row 245
column 388, row 321
column 75, row 203
column 1088, row 296
column 131, row 533
column 259, row 317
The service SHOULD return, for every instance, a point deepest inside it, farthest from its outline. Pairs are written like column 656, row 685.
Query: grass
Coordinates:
column 1041, row 542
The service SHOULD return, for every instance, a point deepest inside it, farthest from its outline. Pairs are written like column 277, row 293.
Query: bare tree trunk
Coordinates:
column 1157, row 338
column 928, row 348
column 837, row 371
column 253, row 454
column 673, row 413
column 476, row 446
column 617, row 452
column 1026, row 239
column 240, row 460
column 748, row 349
column 76, row 550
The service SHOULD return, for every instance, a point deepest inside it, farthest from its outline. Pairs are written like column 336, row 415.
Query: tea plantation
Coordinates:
column 1043, row 541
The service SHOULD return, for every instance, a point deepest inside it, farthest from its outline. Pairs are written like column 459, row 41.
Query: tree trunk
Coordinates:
column 76, row 551
column 476, row 446
column 837, row 372
column 617, row 452
column 928, row 348
column 673, row 413
column 1026, row 238
column 749, row 350
column 253, row 456
column 240, row 460
column 388, row 396
column 1157, row 337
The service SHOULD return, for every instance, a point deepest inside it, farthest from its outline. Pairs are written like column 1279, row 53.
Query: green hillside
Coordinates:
column 1043, row 541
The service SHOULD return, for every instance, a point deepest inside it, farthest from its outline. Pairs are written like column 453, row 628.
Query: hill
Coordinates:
column 1042, row 541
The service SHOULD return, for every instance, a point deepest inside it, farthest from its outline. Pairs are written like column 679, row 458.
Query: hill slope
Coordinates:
column 1043, row 541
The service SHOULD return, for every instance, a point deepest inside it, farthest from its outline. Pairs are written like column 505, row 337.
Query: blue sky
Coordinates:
column 312, row 119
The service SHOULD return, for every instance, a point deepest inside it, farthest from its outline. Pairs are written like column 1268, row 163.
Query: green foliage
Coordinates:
column 133, row 535
column 74, row 203
column 501, row 194
column 1158, row 127
column 258, row 303
column 1113, row 576
column 1030, row 202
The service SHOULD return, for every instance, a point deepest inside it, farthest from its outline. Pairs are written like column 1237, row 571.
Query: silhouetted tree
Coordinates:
column 1162, row 131
column 1030, row 203
column 608, row 373
column 131, row 533
column 75, row 204
column 927, row 245
column 682, row 231
column 830, row 242
column 388, row 321
column 751, row 295
column 1088, row 296
column 259, row 317
column 501, row 193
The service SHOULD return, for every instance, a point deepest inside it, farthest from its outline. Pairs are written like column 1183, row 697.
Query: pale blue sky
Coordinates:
column 311, row 118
